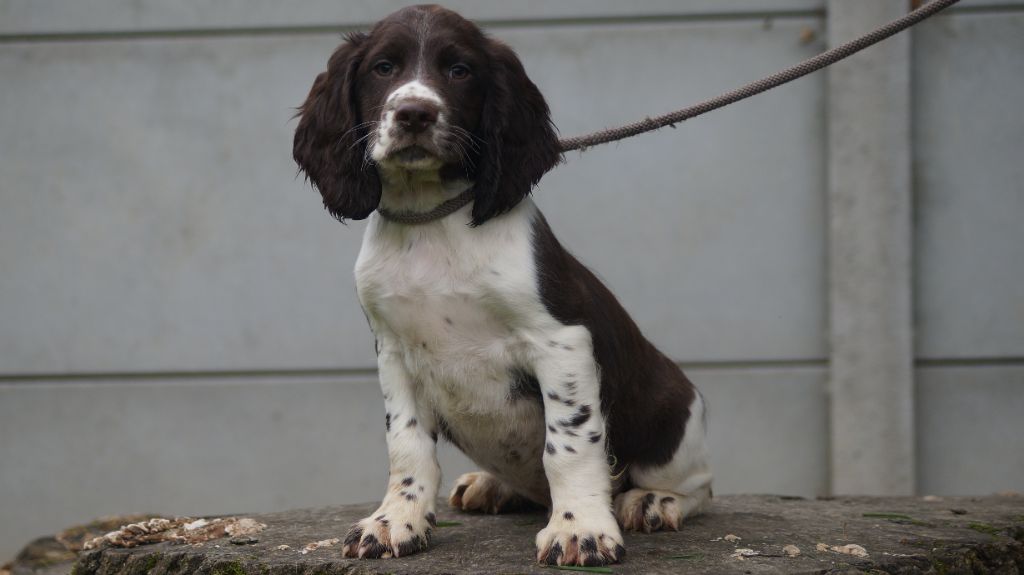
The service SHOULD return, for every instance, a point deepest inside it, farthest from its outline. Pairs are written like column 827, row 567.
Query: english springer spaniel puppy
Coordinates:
column 488, row 332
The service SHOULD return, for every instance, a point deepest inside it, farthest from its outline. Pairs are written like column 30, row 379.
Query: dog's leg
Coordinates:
column 402, row 523
column 665, row 495
column 582, row 529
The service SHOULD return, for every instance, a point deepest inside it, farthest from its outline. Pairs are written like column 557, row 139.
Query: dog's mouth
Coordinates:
column 411, row 154
column 413, row 157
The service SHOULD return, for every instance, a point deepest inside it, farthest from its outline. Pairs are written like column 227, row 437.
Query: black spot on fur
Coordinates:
column 354, row 535
column 446, row 432
column 646, row 504
column 567, row 347
column 433, row 436
column 387, row 421
column 554, row 396
column 579, row 418
column 431, row 519
column 665, row 500
column 569, row 448
column 552, row 343
column 550, row 448
column 408, row 526
column 588, row 545
column 568, row 516
column 523, row 385
column 374, row 548
column 379, row 518
column 410, row 497
column 552, row 429
column 448, row 321
column 554, row 554
column 412, row 423
column 654, row 520
column 411, row 546
column 407, row 481
column 595, row 437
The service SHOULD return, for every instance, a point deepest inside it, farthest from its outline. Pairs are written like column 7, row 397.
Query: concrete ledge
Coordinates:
column 900, row 535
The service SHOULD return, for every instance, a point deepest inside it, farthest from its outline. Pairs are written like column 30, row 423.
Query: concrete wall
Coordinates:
column 178, row 325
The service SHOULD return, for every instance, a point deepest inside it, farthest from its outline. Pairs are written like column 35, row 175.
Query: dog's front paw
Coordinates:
column 384, row 534
column 589, row 539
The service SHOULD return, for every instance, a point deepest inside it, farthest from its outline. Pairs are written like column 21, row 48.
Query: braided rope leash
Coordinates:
column 788, row 75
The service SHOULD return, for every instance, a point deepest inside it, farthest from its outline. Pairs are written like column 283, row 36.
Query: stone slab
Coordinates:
column 904, row 535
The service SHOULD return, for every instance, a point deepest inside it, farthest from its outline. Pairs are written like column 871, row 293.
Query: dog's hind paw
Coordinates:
column 646, row 510
column 480, row 491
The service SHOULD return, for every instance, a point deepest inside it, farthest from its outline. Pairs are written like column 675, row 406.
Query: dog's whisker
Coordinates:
column 461, row 137
column 367, row 136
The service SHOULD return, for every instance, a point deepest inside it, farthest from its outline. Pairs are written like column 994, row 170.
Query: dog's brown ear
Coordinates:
column 329, row 143
column 520, row 141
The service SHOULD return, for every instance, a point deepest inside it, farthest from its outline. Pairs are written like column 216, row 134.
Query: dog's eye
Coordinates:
column 458, row 72
column 384, row 68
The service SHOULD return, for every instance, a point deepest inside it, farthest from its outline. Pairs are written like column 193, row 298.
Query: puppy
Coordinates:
column 488, row 332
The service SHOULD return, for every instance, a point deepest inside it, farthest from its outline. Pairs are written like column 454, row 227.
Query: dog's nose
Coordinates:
column 415, row 117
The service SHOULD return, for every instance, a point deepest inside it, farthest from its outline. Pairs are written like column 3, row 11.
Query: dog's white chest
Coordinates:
column 460, row 306
column 446, row 297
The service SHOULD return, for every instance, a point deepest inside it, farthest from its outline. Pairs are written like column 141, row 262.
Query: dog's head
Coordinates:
column 424, row 90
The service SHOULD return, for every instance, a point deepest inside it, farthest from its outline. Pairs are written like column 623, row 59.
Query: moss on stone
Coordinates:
column 229, row 568
column 985, row 528
column 151, row 561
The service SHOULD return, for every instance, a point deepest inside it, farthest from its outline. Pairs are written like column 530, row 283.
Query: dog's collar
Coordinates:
column 445, row 208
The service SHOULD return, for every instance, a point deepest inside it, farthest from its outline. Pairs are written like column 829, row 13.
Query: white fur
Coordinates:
column 388, row 135
column 455, row 309
column 414, row 90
